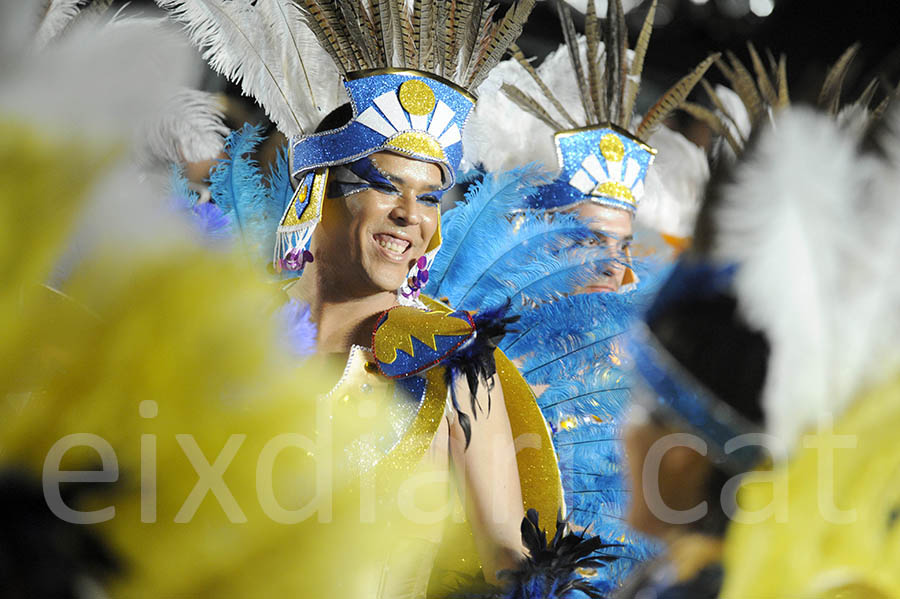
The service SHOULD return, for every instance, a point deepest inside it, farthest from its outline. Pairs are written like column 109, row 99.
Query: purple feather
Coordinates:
column 298, row 329
column 211, row 221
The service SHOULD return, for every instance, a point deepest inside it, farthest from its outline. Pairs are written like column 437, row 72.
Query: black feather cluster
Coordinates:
column 40, row 554
column 551, row 570
column 475, row 360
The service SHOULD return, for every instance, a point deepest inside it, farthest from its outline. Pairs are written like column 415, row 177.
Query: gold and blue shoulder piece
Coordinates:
column 409, row 340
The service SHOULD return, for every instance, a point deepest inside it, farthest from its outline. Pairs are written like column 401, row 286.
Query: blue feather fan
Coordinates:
column 471, row 229
column 573, row 346
column 569, row 347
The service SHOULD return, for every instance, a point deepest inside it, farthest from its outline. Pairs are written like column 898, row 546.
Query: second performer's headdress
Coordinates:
column 602, row 155
column 405, row 67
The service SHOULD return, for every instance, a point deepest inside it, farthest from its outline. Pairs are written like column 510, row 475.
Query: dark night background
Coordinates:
column 812, row 33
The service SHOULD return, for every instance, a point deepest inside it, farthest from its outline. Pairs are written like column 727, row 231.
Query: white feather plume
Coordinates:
column 789, row 221
column 266, row 49
column 675, row 184
column 59, row 14
column 499, row 135
column 191, row 129
column 737, row 118
column 312, row 80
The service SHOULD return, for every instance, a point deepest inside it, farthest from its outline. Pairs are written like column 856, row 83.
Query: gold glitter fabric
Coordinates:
column 295, row 229
column 416, row 144
column 409, row 340
column 612, row 148
column 418, row 438
column 416, row 97
column 538, row 468
column 613, row 190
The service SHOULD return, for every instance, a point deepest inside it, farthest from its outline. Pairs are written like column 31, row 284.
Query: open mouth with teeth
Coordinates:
column 394, row 247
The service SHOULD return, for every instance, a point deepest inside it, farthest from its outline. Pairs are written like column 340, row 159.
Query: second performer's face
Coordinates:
column 613, row 233
column 380, row 232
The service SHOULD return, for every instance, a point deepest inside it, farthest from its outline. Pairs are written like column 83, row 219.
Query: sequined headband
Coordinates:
column 603, row 164
column 408, row 112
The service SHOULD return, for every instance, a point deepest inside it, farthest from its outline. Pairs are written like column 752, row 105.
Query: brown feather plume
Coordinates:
column 505, row 33
column 470, row 39
column 592, row 35
column 766, row 89
column 324, row 34
column 717, row 102
column 519, row 57
column 714, row 121
column 381, row 16
column 450, row 48
column 623, row 62
column 530, row 105
column 673, row 98
column 568, row 28
column 637, row 63
column 409, row 41
column 744, row 84
column 830, row 96
column 612, row 37
column 784, row 97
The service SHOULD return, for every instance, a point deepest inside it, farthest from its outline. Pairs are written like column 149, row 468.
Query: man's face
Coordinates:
column 371, row 238
column 612, row 230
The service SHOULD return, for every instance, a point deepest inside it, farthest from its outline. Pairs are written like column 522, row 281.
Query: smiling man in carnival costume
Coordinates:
column 361, row 222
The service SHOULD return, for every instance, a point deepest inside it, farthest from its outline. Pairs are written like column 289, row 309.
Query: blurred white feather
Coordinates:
column 58, row 15
column 99, row 86
column 99, row 81
column 266, row 49
column 872, row 346
column 788, row 221
column 737, row 119
column 674, row 185
column 18, row 23
column 191, row 129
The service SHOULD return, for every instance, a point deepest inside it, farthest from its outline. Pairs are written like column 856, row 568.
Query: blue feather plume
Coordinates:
column 573, row 346
column 182, row 196
column 238, row 187
column 279, row 183
column 298, row 329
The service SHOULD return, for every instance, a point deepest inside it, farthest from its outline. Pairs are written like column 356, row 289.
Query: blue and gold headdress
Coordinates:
column 602, row 158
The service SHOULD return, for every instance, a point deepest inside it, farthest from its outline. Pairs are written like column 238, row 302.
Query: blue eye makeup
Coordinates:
column 363, row 174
